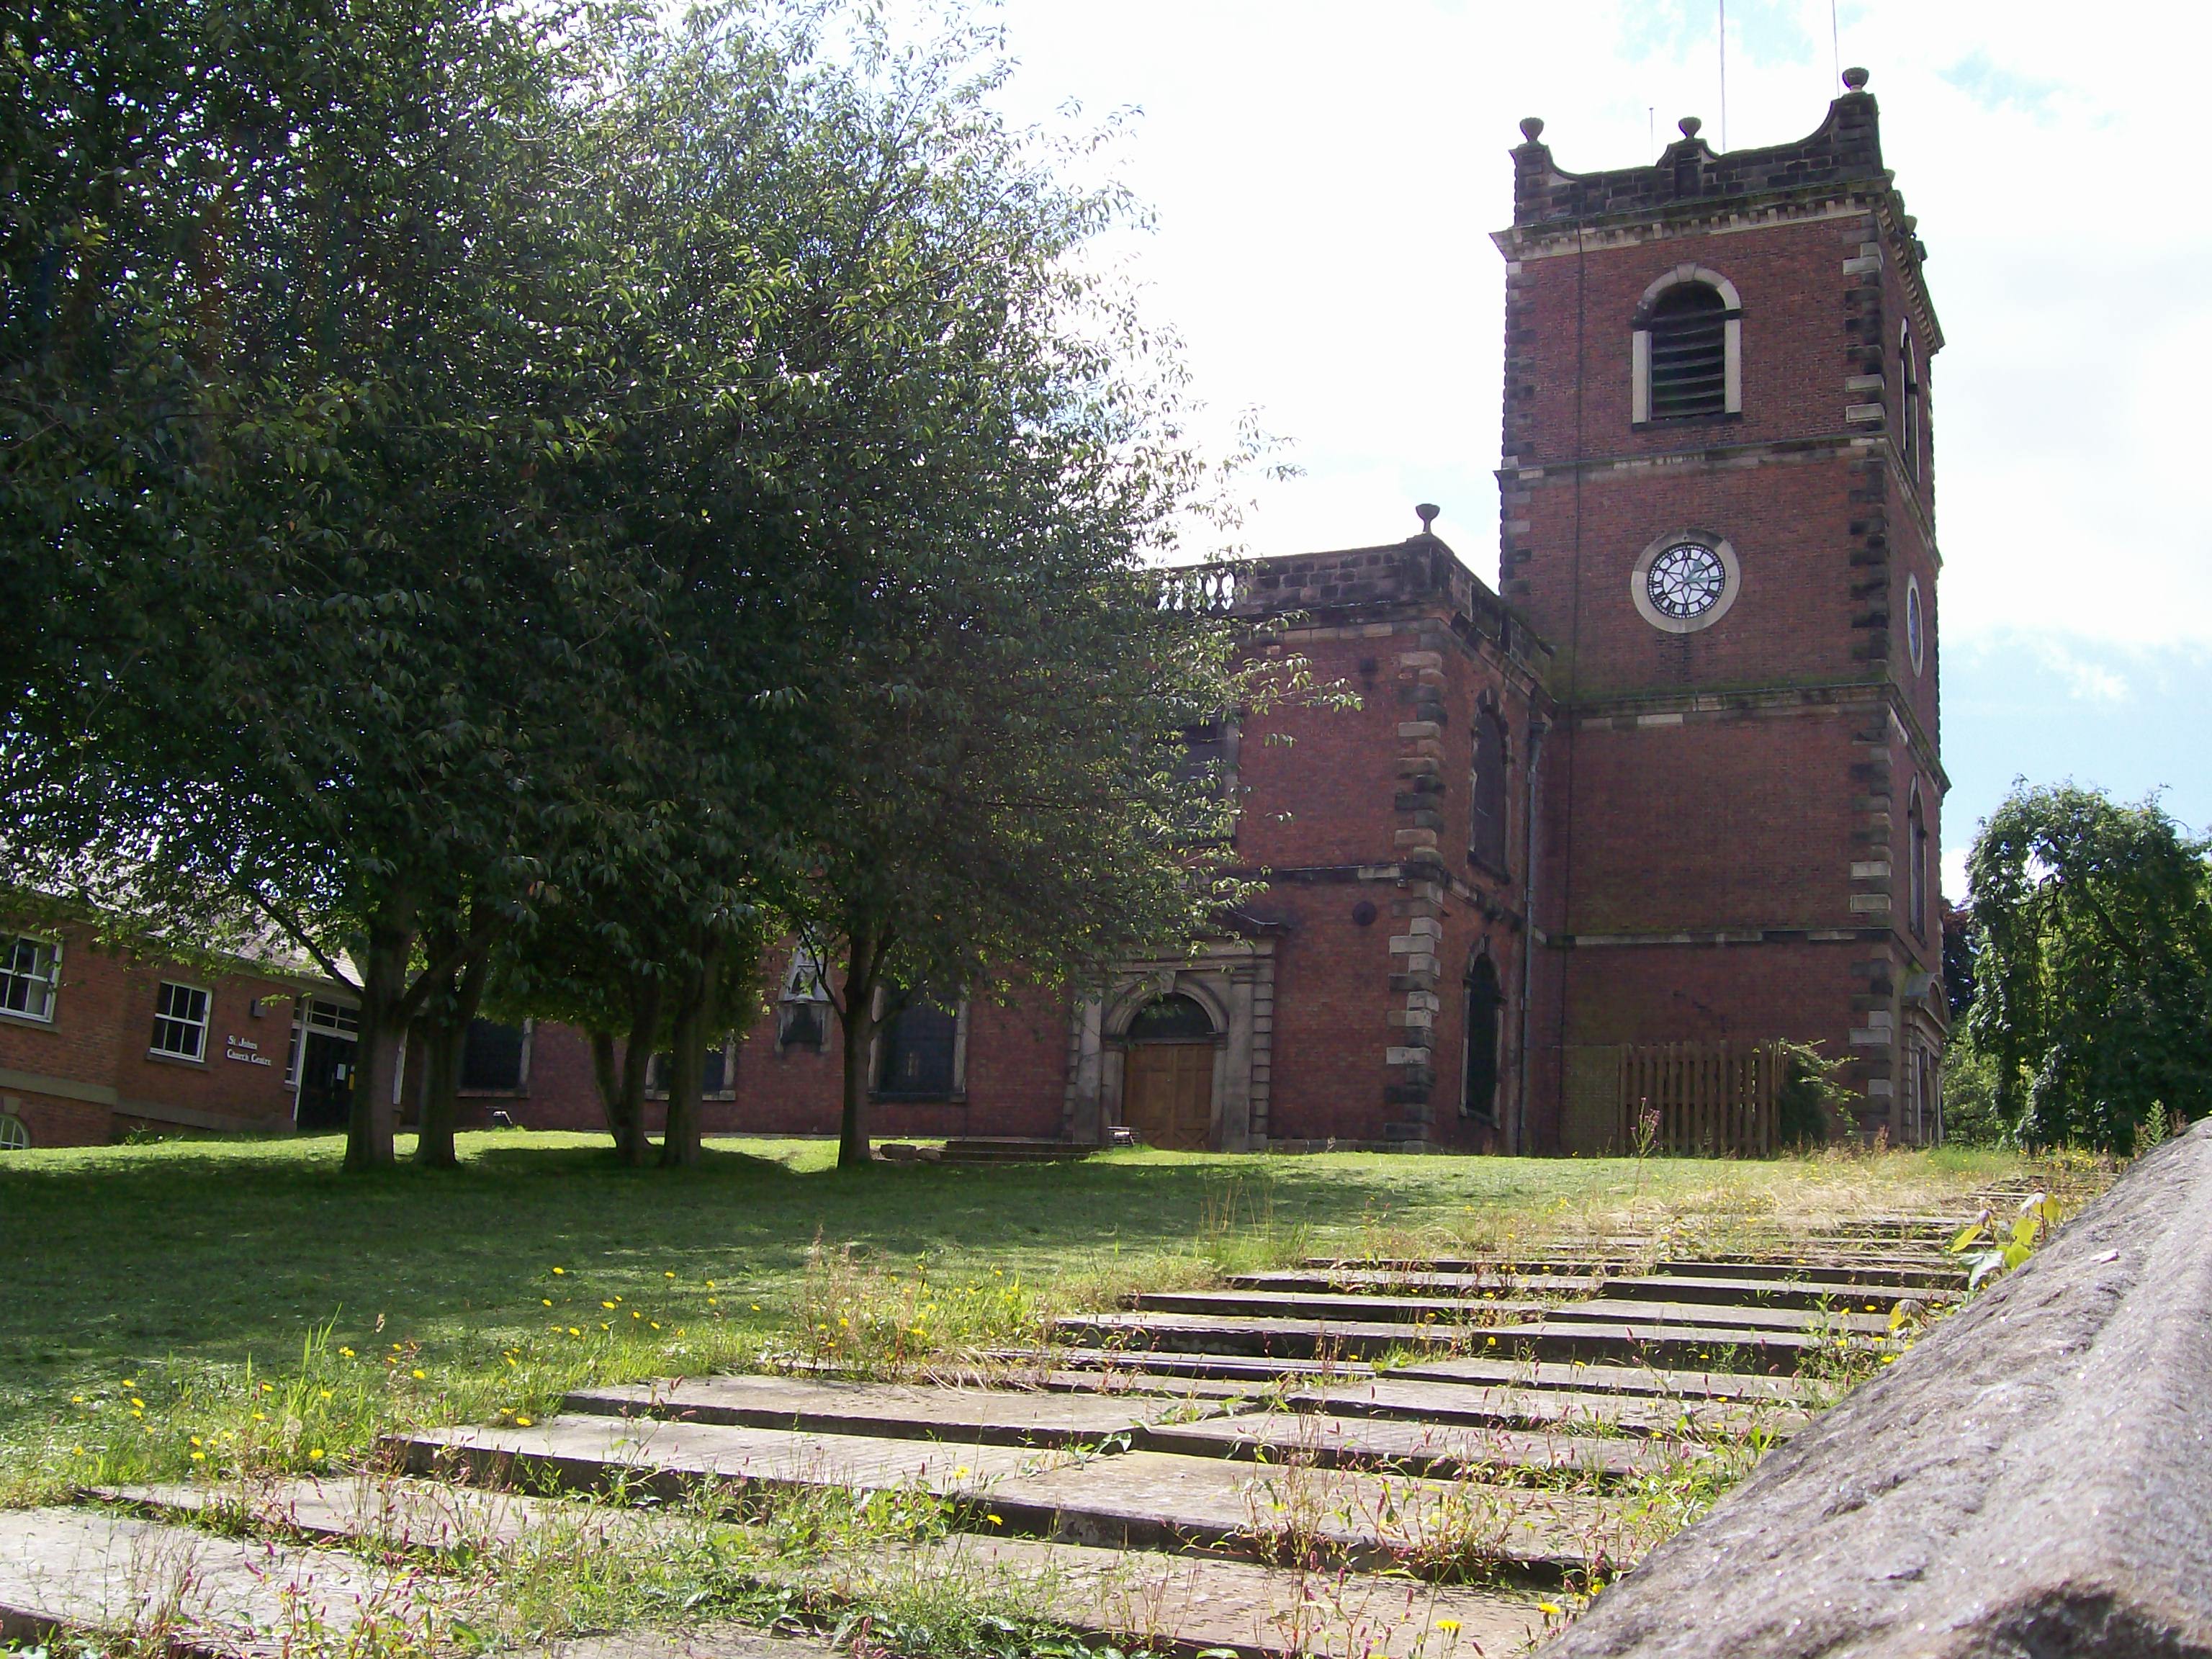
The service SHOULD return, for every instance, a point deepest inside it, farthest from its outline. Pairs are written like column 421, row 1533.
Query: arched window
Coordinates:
column 1174, row 1018
column 1485, row 1002
column 1689, row 348
column 1908, row 400
column 1487, row 829
column 1915, row 884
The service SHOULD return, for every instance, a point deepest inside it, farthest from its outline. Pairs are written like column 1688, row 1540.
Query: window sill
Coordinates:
column 39, row 1022
column 958, row 1097
column 168, row 1059
column 1476, row 861
column 1670, row 422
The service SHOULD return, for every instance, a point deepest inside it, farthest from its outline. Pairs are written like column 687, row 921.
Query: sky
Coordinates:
column 1325, row 177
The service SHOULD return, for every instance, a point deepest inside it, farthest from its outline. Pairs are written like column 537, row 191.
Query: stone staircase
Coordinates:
column 1350, row 1457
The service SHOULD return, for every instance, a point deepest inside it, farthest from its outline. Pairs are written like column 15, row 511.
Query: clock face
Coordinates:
column 1686, row 580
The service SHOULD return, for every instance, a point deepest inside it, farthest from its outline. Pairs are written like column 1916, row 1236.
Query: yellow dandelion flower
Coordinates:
column 268, row 1388
column 261, row 1417
column 130, row 1382
column 755, row 1307
column 140, row 1404
column 199, row 1458
column 195, row 1440
column 560, row 1270
column 656, row 1324
column 318, row 1452
column 1449, row 1626
column 417, row 1375
column 326, row 1394
column 606, row 1304
column 76, row 1452
column 996, row 1519
column 670, row 1273
column 523, row 1421
column 76, row 1400
column 346, row 1353
column 572, row 1331
column 1549, row 1609
column 547, row 1300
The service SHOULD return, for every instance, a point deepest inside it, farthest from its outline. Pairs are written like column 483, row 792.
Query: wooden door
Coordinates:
column 1167, row 1094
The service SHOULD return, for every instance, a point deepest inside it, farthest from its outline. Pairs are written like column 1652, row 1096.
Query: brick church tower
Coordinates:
column 1718, row 509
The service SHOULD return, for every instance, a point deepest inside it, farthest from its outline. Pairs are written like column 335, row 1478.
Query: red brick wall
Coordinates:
column 99, row 1041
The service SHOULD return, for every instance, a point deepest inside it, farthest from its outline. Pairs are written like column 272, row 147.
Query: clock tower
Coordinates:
column 1718, row 509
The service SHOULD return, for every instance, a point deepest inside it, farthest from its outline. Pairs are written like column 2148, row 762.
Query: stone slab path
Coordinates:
column 1309, row 1461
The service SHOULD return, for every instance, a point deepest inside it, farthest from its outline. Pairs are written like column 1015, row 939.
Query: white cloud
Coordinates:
column 1327, row 178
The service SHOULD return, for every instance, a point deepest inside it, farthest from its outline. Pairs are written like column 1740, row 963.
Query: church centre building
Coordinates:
column 1593, row 842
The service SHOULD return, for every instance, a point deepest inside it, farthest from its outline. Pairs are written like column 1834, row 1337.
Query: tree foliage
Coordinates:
column 523, row 501
column 2093, row 967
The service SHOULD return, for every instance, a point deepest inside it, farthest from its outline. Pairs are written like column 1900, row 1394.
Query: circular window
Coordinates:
column 1915, row 629
column 1684, row 582
column 14, row 1137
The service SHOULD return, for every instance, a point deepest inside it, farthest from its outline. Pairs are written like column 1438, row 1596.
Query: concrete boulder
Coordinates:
column 2032, row 1479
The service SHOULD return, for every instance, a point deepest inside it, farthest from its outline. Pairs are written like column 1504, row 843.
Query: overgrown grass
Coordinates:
column 203, row 1306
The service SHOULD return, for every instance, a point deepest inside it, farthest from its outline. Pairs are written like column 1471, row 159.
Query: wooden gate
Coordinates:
column 1711, row 1099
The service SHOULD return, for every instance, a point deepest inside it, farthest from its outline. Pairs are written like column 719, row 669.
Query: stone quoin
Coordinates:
column 1676, row 782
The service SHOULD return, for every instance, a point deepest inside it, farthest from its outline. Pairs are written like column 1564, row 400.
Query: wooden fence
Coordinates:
column 1711, row 1099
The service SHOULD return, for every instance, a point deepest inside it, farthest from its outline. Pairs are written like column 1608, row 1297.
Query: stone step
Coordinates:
column 395, row 1512
column 1446, row 1451
column 1012, row 1149
column 974, row 1416
column 1721, row 1286
column 1166, row 1371
column 1411, row 1282
column 1128, row 1500
column 1506, row 1406
column 1946, row 1275
column 1323, row 1306
column 1643, row 1382
column 1185, row 1604
column 134, row 1582
column 1653, row 1342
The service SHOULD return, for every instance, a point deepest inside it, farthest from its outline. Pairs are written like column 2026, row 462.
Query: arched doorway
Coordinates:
column 1167, row 1077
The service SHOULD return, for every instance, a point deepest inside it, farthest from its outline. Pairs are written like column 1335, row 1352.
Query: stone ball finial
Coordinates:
column 1689, row 124
column 1427, row 511
column 1856, row 79
column 1532, row 127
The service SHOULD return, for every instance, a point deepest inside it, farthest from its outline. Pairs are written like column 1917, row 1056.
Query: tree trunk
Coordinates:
column 441, row 1080
column 383, row 1029
column 863, row 968
column 631, row 1141
column 609, row 1079
column 687, row 1056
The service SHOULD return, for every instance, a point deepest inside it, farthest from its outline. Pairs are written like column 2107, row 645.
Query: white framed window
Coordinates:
column 717, row 1071
column 1915, row 624
column 180, row 1021
column 922, row 1052
column 15, row 1134
column 30, row 973
column 1685, row 348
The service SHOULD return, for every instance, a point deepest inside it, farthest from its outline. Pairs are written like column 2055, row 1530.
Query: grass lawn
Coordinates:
column 203, row 1306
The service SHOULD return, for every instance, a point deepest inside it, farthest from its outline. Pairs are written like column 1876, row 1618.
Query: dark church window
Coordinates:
column 714, row 1071
column 1917, row 876
column 1487, row 835
column 801, row 1025
column 1908, row 398
column 920, row 1052
column 1486, row 1004
column 491, row 1057
column 1689, row 353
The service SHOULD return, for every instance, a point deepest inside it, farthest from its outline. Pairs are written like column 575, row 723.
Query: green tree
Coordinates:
column 2093, row 966
column 323, row 657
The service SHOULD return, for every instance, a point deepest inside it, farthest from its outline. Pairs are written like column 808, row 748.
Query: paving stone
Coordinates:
column 1642, row 1380
column 1331, row 1306
column 1562, row 1408
column 401, row 1513
column 1653, row 1338
column 1449, row 1451
column 1187, row 1602
column 1871, row 1274
column 92, row 1571
column 996, row 1416
column 1136, row 1499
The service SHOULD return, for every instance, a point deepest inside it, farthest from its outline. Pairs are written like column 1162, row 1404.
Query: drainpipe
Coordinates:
column 1515, row 1140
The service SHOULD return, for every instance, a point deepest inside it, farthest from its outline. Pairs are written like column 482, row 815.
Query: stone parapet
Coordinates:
column 2034, row 1477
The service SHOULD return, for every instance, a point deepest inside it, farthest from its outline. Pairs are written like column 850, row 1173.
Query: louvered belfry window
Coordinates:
column 1689, row 353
